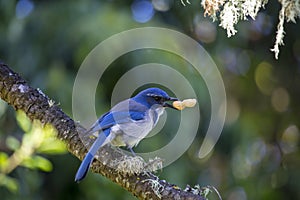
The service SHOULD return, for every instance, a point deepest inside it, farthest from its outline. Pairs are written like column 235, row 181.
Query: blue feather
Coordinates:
column 85, row 164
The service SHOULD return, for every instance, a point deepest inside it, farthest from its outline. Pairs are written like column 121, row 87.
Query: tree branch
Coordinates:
column 37, row 106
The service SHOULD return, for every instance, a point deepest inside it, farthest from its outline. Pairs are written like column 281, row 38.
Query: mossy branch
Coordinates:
column 37, row 106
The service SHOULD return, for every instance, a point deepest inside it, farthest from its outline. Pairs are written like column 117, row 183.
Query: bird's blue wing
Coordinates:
column 136, row 116
column 123, row 112
column 119, row 117
column 97, row 126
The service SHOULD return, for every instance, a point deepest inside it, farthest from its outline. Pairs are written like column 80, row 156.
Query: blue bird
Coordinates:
column 126, row 124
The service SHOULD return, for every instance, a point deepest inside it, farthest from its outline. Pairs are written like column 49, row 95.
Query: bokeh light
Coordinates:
column 264, row 78
column 142, row 11
column 289, row 139
column 233, row 111
column 162, row 5
column 204, row 30
column 236, row 61
column 280, row 99
column 227, row 56
column 244, row 161
column 242, row 63
column 262, row 25
column 237, row 193
column 256, row 151
column 240, row 165
column 24, row 8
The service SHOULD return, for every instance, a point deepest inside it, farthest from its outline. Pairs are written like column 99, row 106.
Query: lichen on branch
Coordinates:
column 230, row 12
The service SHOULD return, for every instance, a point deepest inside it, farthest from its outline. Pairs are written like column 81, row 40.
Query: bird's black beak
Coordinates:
column 165, row 104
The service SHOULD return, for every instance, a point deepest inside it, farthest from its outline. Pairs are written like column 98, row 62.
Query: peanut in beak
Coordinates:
column 180, row 105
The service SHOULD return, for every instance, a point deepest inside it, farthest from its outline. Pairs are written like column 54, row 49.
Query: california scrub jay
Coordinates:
column 127, row 123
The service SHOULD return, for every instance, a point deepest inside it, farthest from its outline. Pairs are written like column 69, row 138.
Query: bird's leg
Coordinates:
column 133, row 153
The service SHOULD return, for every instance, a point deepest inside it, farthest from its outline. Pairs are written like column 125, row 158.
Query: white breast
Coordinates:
column 130, row 134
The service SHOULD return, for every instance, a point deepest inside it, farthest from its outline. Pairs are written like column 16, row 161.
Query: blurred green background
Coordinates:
column 257, row 155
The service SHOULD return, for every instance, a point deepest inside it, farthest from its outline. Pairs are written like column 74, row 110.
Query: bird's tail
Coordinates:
column 85, row 164
column 84, row 167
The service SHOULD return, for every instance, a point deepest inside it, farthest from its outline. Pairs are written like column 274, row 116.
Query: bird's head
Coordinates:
column 154, row 97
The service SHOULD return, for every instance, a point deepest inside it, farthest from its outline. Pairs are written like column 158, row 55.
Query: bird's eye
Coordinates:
column 156, row 98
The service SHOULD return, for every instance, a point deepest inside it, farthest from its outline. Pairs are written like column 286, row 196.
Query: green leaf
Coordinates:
column 52, row 146
column 12, row 143
column 23, row 121
column 38, row 162
column 29, row 163
column 43, row 163
column 11, row 184
column 3, row 160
